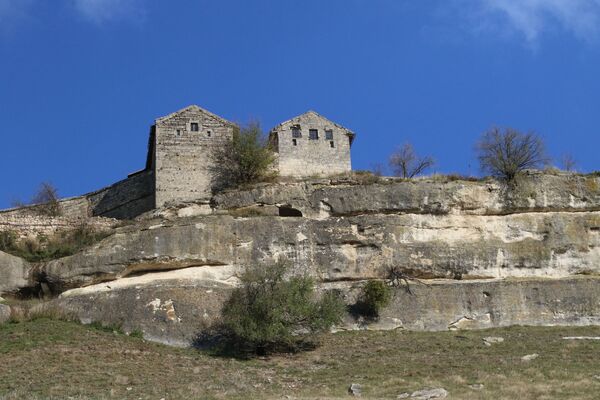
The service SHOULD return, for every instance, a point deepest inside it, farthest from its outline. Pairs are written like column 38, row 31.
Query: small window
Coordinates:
column 296, row 132
column 331, row 144
column 313, row 134
column 194, row 127
column 294, row 142
column 209, row 133
column 178, row 132
column 329, row 135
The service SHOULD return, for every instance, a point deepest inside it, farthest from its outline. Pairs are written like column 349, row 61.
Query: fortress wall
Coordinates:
column 125, row 199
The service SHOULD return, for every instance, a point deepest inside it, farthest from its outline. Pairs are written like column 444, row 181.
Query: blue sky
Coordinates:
column 82, row 80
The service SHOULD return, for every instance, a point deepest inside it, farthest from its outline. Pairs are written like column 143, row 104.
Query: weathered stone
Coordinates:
column 476, row 386
column 489, row 340
column 175, row 306
column 355, row 390
column 529, row 357
column 428, row 394
column 15, row 274
column 4, row 313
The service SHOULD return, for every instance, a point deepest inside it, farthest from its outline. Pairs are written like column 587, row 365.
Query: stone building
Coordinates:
column 179, row 166
column 179, row 153
column 310, row 144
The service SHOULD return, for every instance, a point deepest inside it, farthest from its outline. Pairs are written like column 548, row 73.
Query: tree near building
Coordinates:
column 244, row 159
column 407, row 164
column 504, row 154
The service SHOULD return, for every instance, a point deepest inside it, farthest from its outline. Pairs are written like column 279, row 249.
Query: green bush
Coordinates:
column 375, row 296
column 42, row 248
column 243, row 160
column 271, row 313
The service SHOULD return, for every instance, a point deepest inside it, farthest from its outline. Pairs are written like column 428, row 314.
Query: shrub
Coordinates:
column 43, row 248
column 407, row 164
column 506, row 153
column 270, row 313
column 243, row 160
column 46, row 200
column 374, row 296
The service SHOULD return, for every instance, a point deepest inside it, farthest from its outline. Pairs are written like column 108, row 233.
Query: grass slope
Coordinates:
column 44, row 359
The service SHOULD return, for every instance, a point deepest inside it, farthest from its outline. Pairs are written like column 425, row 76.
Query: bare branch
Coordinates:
column 506, row 153
column 406, row 164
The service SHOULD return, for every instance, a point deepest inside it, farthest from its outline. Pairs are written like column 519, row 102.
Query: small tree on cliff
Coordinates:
column 407, row 164
column 244, row 159
column 270, row 312
column 506, row 153
column 46, row 198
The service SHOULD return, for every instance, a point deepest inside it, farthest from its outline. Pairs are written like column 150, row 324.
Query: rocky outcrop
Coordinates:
column 173, row 307
column 321, row 199
column 15, row 274
column 491, row 255
column 551, row 244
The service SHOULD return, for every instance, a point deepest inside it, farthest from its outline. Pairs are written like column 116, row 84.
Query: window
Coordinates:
column 209, row 133
column 296, row 132
column 194, row 127
column 331, row 144
column 313, row 134
column 294, row 142
column 329, row 135
column 178, row 132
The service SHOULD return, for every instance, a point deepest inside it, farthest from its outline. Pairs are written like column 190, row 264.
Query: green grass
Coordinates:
column 43, row 359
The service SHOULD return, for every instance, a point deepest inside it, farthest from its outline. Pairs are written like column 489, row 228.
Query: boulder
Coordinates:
column 15, row 274
column 4, row 313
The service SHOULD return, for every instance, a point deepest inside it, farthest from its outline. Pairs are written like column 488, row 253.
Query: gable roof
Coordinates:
column 350, row 133
column 195, row 108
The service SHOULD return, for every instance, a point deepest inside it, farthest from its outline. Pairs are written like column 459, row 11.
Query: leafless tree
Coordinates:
column 506, row 153
column 46, row 198
column 568, row 162
column 407, row 164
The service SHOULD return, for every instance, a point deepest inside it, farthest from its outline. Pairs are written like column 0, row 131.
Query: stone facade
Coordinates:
column 311, row 145
column 180, row 154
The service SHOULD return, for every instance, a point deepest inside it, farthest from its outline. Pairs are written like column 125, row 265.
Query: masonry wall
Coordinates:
column 125, row 199
column 183, row 162
column 312, row 157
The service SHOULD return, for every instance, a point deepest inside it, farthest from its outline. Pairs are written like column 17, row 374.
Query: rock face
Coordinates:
column 173, row 307
column 517, row 250
column 448, row 235
column 14, row 274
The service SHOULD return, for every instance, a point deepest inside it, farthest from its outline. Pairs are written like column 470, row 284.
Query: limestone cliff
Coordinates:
column 176, row 264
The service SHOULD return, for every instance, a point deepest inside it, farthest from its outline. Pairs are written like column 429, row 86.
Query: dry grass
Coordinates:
column 44, row 359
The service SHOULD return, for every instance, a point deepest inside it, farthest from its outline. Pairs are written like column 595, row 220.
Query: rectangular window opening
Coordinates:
column 194, row 127
column 296, row 132
column 178, row 132
column 209, row 133
column 331, row 144
column 329, row 135
column 313, row 134
column 294, row 142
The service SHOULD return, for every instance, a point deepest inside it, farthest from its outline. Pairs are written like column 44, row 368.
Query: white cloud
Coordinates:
column 102, row 11
column 533, row 18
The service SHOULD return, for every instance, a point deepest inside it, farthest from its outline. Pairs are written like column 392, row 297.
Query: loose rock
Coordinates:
column 489, row 340
column 355, row 390
column 427, row 394
column 476, row 386
column 4, row 313
column 530, row 357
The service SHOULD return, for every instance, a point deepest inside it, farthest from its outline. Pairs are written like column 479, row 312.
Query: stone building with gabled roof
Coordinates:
column 179, row 153
column 311, row 145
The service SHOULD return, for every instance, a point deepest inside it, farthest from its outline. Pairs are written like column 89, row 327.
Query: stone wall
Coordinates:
column 303, row 156
column 125, row 199
column 183, row 163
